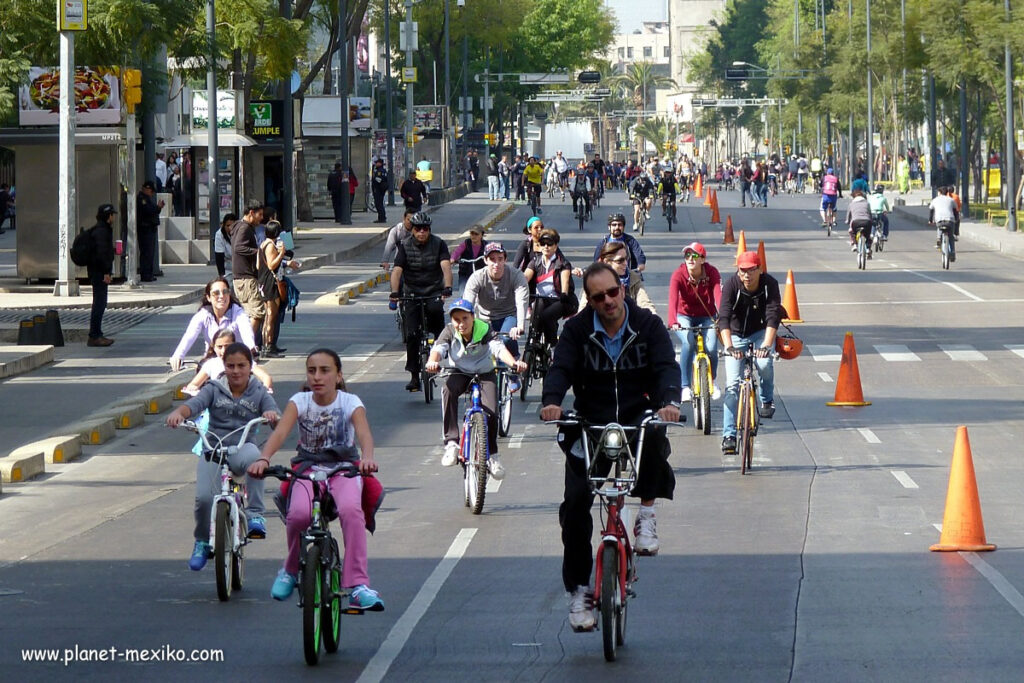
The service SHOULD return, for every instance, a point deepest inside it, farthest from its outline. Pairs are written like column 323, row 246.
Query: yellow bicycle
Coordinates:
column 701, row 382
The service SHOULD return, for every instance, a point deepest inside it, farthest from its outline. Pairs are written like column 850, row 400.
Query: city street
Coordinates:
column 813, row 567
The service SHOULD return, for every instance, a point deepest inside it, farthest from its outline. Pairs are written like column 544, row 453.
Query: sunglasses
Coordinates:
column 548, row 243
column 421, row 228
column 611, row 293
column 218, row 292
column 748, row 271
column 691, row 256
column 618, row 259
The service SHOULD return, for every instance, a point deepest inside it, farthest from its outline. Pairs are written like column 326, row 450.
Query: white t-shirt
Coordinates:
column 323, row 427
column 213, row 367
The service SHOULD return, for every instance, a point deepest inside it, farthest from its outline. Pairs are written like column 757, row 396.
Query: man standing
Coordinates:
column 517, row 176
column 148, row 217
column 244, row 249
column 100, row 269
column 942, row 176
column 616, row 228
column 414, row 192
column 748, row 318
column 160, row 172
column 423, row 268
column 474, row 169
column 334, row 186
column 492, row 178
column 620, row 362
column 379, row 186
column 504, row 177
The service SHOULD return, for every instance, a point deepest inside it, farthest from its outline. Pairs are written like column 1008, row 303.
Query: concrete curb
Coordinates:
column 35, row 357
column 343, row 294
column 94, row 431
column 15, row 468
column 55, row 449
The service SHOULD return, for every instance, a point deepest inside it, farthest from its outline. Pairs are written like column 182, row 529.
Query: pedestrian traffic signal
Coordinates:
column 131, row 81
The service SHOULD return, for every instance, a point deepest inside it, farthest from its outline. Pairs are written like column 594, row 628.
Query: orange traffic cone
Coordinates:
column 760, row 256
column 698, row 186
column 741, row 246
column 789, row 301
column 707, row 196
column 715, row 218
column 730, row 238
column 962, row 526
column 848, row 390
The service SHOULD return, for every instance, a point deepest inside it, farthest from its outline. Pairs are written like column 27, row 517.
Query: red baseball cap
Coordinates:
column 748, row 259
column 697, row 248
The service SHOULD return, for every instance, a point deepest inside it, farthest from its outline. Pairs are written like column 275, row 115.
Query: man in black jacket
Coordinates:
column 620, row 362
column 413, row 192
column 749, row 316
column 379, row 186
column 148, row 218
column 244, row 250
column 100, row 269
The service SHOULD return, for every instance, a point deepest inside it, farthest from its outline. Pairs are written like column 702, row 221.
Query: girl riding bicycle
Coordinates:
column 232, row 401
column 330, row 422
column 211, row 366
column 694, row 295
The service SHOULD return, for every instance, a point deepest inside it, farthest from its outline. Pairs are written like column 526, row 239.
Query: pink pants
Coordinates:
column 347, row 494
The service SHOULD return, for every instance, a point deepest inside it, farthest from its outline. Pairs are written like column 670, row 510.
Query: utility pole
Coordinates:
column 66, row 284
column 409, row 47
column 346, row 198
column 390, row 139
column 1011, row 146
column 450, row 141
column 933, row 148
column 466, row 111
column 870, row 143
column 288, row 143
column 964, row 143
column 211, row 128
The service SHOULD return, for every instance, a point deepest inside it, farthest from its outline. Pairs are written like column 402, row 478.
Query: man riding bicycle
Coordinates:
column 943, row 214
column 880, row 208
column 694, row 295
column 533, row 176
column 858, row 217
column 470, row 347
column 831, row 191
column 749, row 316
column 501, row 295
column 667, row 189
column 561, row 166
column 641, row 193
column 616, row 233
column 620, row 362
column 600, row 173
column 581, row 189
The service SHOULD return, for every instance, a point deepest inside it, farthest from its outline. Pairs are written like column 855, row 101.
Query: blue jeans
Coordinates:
column 503, row 325
column 503, row 187
column 492, row 187
column 733, row 375
column 688, row 341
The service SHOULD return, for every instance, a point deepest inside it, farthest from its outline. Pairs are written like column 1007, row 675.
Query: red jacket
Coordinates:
column 695, row 300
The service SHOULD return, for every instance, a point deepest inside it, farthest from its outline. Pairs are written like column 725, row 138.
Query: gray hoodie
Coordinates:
column 228, row 413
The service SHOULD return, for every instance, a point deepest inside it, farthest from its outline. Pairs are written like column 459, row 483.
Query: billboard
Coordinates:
column 97, row 97
column 225, row 110
column 429, row 120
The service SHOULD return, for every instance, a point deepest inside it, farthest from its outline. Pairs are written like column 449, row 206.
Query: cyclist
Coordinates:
column 749, row 316
column 561, row 168
column 880, row 208
column 211, row 366
column 533, row 176
column 470, row 254
column 694, row 296
column 801, row 173
column 600, row 173
column 232, row 401
column 943, row 214
column 219, row 310
column 423, row 267
column 550, row 276
column 616, row 233
column 858, row 217
column 502, row 296
column 668, row 190
column 641, row 193
column 469, row 346
column 831, row 191
column 398, row 232
column 616, row 256
column 580, row 189
column 330, row 421
column 619, row 361
column 816, row 168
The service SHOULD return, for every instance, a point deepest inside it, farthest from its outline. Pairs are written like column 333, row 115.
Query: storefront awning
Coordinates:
column 201, row 139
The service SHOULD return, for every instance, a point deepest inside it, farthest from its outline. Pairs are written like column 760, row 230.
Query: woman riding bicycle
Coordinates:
column 550, row 276
column 232, row 401
column 694, row 295
column 218, row 311
column 211, row 366
column 858, row 217
column 616, row 256
column 330, row 421
column 470, row 347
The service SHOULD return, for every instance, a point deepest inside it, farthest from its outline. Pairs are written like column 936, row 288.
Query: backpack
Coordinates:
column 292, row 298
column 82, row 248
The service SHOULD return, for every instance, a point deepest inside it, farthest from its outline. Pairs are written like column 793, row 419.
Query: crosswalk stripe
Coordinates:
column 1016, row 348
column 896, row 353
column 963, row 352
column 826, row 352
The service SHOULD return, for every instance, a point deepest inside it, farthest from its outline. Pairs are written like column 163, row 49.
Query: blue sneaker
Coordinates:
column 201, row 552
column 514, row 384
column 257, row 527
column 366, row 599
column 283, row 586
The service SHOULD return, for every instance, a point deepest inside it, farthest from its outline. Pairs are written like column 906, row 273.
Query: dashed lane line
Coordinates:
column 904, row 479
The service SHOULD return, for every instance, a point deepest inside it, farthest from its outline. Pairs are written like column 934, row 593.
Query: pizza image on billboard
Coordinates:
column 97, row 97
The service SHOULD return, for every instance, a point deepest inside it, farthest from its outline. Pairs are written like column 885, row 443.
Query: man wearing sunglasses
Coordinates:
column 750, row 314
column 423, row 267
column 616, row 233
column 619, row 361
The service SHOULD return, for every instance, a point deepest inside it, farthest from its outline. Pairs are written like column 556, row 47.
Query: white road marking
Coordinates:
column 964, row 352
column 952, row 286
column 883, row 302
column 896, row 353
column 826, row 352
column 1016, row 348
column 392, row 646
column 533, row 407
column 825, row 377
column 359, row 352
column 517, row 441
column 998, row 581
column 904, row 479
column 868, row 435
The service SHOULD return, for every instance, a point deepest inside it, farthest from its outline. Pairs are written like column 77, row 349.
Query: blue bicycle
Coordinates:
column 474, row 453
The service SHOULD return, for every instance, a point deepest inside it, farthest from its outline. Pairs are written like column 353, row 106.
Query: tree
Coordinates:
column 640, row 81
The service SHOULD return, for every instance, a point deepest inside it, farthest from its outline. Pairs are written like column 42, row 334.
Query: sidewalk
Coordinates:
column 991, row 236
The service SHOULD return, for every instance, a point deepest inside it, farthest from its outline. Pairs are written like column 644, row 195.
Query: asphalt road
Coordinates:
column 815, row 567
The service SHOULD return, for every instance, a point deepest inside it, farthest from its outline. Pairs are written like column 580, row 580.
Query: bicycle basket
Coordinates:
column 788, row 345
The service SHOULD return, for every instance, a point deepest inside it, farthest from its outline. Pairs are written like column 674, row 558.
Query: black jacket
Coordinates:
column 745, row 313
column 645, row 376
column 379, row 180
column 149, row 213
column 102, row 262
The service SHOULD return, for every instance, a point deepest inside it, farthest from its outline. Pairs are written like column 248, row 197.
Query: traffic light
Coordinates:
column 416, row 137
column 589, row 77
column 131, row 82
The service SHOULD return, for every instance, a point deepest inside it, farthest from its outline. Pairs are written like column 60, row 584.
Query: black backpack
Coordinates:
column 82, row 248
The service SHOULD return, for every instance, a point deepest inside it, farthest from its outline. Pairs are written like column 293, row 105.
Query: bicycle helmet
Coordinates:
column 420, row 218
column 879, row 189
column 788, row 347
column 828, row 171
column 616, row 218
column 460, row 305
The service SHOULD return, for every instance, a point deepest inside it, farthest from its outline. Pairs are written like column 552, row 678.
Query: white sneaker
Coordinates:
column 716, row 393
column 645, row 533
column 496, row 468
column 687, row 394
column 581, row 614
column 451, row 454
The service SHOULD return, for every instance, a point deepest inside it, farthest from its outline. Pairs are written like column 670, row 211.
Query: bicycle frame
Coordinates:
column 699, row 354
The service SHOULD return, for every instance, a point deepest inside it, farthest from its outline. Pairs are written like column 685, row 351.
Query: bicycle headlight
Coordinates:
column 613, row 442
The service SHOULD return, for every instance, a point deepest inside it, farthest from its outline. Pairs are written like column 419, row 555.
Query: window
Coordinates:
column 629, row 53
column 648, row 52
column 667, row 51
column 622, row 52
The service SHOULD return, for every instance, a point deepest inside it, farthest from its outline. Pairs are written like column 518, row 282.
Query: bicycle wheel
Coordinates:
column 311, row 577
column 504, row 406
column 671, row 215
column 610, row 598
column 862, row 252
column 529, row 357
column 643, row 221
column 223, row 540
column 330, row 617
column 238, row 560
column 704, row 382
column 582, row 217
column 476, row 466
column 828, row 224
column 745, row 438
column 945, row 250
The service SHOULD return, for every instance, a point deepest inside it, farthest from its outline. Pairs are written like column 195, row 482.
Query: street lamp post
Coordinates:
column 871, row 126
column 1011, row 147
column 389, row 141
column 346, row 203
column 408, row 87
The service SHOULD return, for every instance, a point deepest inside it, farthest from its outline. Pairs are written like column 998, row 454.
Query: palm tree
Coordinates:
column 657, row 130
column 638, row 81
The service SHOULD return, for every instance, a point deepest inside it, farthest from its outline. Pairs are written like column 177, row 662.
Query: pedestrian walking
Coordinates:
column 414, row 192
column 148, row 216
column 244, row 250
column 504, row 176
column 222, row 246
column 100, row 269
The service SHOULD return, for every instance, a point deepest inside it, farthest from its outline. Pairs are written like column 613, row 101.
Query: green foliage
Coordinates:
column 564, row 33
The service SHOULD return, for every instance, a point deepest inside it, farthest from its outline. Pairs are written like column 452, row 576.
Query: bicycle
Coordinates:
column 228, row 523
column 474, row 453
column 877, row 237
column 504, row 395
column 426, row 339
column 533, row 194
column 670, row 213
column 320, row 561
column 748, row 417
column 612, row 469
column 863, row 246
column 830, row 220
column 536, row 355
column 700, row 380
column 642, row 217
column 947, row 248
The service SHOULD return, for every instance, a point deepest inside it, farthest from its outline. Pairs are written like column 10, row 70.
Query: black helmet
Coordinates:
column 879, row 189
column 420, row 218
column 616, row 218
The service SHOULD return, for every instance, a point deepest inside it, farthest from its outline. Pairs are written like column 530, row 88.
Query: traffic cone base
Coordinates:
column 962, row 524
column 848, row 389
column 789, row 300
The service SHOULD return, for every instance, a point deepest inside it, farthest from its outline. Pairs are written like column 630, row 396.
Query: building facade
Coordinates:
column 652, row 44
column 690, row 29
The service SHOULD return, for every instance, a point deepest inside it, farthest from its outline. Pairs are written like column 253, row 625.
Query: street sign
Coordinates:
column 408, row 74
column 403, row 39
column 539, row 78
column 734, row 102
column 487, row 105
column 72, row 15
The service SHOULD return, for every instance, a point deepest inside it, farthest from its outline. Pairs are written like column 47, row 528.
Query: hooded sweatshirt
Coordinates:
column 228, row 413
column 474, row 356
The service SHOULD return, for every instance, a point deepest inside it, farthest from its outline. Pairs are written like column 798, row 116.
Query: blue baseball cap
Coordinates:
column 460, row 305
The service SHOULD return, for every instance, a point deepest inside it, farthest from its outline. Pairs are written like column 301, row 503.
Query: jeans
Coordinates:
column 208, row 486
column 99, row 304
column 758, row 193
column 733, row 375
column 347, row 494
column 147, row 252
column 688, row 342
column 764, row 193
column 503, row 325
column 503, row 187
column 744, row 193
column 492, row 187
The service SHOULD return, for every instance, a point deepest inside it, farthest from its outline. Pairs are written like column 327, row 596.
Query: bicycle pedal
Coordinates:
column 630, row 593
column 354, row 611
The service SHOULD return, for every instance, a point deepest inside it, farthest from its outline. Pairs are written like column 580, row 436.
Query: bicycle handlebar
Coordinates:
column 573, row 419
column 193, row 427
column 285, row 473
